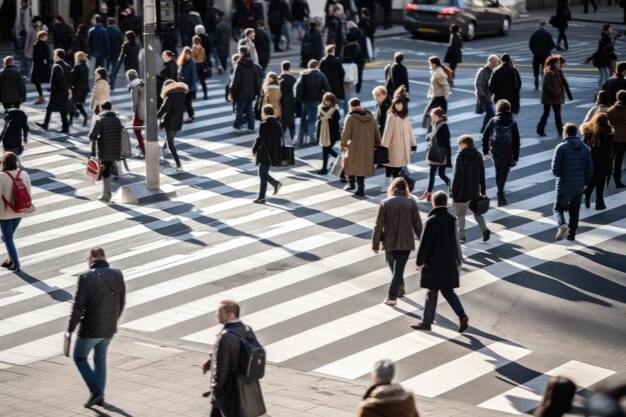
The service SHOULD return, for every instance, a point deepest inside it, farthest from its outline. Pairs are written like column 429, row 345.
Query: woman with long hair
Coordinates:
column 171, row 115
column 80, row 84
column 399, row 139
column 598, row 136
column 42, row 64
column 602, row 105
column 328, row 130
column 440, row 79
column 187, row 74
column 552, row 95
column 101, row 90
column 454, row 53
column 439, row 132
column 557, row 400
column 130, row 52
column 199, row 55
column 271, row 93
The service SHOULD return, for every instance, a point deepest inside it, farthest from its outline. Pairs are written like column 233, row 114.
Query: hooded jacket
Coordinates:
column 506, row 83
column 388, row 400
column 138, row 98
column 468, row 176
column 246, row 83
column 359, row 137
column 572, row 166
column 617, row 117
column 174, row 106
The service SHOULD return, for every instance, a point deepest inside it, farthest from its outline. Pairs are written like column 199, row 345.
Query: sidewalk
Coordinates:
column 146, row 379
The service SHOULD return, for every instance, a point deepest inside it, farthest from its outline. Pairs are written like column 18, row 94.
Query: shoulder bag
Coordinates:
column 436, row 154
column 479, row 206
column 381, row 155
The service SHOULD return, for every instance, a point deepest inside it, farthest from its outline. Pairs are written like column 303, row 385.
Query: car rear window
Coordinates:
column 435, row 2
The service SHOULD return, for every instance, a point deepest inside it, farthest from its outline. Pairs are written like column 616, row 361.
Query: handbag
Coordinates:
column 125, row 147
column 337, row 166
column 479, row 206
column 94, row 169
column 258, row 107
column 287, row 157
column 205, row 70
column 381, row 155
column 351, row 72
column 249, row 399
column 406, row 175
column 436, row 154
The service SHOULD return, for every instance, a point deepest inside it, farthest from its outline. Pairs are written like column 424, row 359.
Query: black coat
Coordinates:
column 63, row 37
column 130, row 56
column 221, row 38
column 168, row 72
column 80, row 82
column 506, row 83
column 443, row 139
column 381, row 113
column 613, row 85
column 333, row 127
column 506, row 118
column 174, row 107
column 541, row 43
column 107, row 133
column 12, row 87
column 396, row 75
column 332, row 67
column 454, row 54
column 311, row 86
column 468, row 176
column 60, row 84
column 439, row 251
column 41, row 71
column 15, row 128
column 312, row 47
column 95, row 308
column 335, row 33
column 287, row 99
column 262, row 43
column 246, row 83
column 268, row 145
column 600, row 154
column 354, row 53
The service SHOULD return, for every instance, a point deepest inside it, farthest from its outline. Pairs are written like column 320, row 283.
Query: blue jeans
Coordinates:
column 430, row 307
column 244, row 106
column 490, row 111
column 8, row 229
column 571, row 203
column 605, row 73
column 94, row 378
column 307, row 122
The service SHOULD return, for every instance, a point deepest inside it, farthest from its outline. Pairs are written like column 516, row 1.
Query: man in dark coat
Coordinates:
column 312, row 45
column 396, row 74
column 221, row 42
column 572, row 166
column 267, row 149
column 506, row 83
column 224, row 363
column 106, row 133
column 12, row 87
column 60, row 91
column 263, row 44
column 244, row 88
column 98, row 305
column 310, row 88
column 617, row 118
column 616, row 83
column 332, row 68
column 334, row 24
column 99, row 43
column 383, row 102
column 15, row 130
column 287, row 99
column 439, row 261
column 116, row 38
column 541, row 45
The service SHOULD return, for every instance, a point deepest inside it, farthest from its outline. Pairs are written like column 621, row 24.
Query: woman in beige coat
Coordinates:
column 440, row 79
column 271, row 93
column 101, row 89
column 399, row 139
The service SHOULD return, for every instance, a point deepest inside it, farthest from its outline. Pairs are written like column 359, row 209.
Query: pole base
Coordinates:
column 138, row 194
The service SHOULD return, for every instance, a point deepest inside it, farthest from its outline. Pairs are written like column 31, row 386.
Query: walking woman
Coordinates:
column 439, row 132
column 101, row 90
column 454, row 55
column 81, row 39
column 168, row 72
column 598, row 136
column 267, row 150
column 9, row 219
column 272, row 93
column 42, row 64
column 563, row 15
column 398, row 223
column 199, row 55
column 171, row 115
column 552, row 95
column 80, row 84
column 399, row 139
column 328, row 130
column 602, row 105
column 188, row 75
column 440, row 78
column 130, row 52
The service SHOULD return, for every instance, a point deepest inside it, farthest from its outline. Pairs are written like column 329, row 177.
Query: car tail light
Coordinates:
column 412, row 7
column 449, row 10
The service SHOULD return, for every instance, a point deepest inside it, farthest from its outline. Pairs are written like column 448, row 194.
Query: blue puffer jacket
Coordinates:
column 572, row 166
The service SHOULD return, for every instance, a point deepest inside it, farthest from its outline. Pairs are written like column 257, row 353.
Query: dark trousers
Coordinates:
column 64, row 122
column 291, row 128
column 215, row 412
column 430, row 306
column 81, row 109
column 189, row 103
column 243, row 106
column 360, row 181
column 442, row 174
column 557, row 118
column 619, row 149
column 169, row 136
column 326, row 152
column 265, row 177
column 562, row 37
column 15, row 105
column 276, row 31
column 433, row 103
column 597, row 183
column 396, row 259
column 538, row 62
column 571, row 203
column 502, row 166
column 109, row 167
column 490, row 111
column 586, row 5
column 392, row 172
column 223, row 61
column 39, row 89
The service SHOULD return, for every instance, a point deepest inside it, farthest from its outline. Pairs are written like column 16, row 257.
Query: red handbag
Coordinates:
column 94, row 169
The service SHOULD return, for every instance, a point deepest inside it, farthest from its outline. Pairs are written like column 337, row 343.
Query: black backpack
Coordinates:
column 501, row 140
column 252, row 357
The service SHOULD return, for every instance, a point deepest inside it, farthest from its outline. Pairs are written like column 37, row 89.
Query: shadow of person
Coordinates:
column 56, row 294
column 112, row 409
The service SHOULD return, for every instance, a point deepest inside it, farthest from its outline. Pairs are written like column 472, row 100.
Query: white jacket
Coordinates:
column 6, row 190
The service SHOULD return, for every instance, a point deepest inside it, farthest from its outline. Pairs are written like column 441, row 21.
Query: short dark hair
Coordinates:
column 570, row 129
column 330, row 97
column 621, row 66
column 243, row 50
column 285, row 65
column 97, row 18
column 355, row 102
column 106, row 105
column 454, row 28
column 313, row 64
column 8, row 60
column 111, row 21
column 312, row 25
column 9, row 161
column 398, row 57
column 365, row 12
column 60, row 53
column 260, row 23
column 268, row 110
column 602, row 97
column 505, row 58
column 97, row 253
column 440, row 198
column 606, row 27
column 330, row 49
column 230, row 306
column 621, row 95
column 467, row 140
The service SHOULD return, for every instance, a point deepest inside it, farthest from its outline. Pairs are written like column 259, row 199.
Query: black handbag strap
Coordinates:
column 107, row 284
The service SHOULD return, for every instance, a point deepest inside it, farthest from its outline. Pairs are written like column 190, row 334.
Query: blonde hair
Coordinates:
column 41, row 34
column 80, row 56
column 380, row 90
column 182, row 58
column 196, row 40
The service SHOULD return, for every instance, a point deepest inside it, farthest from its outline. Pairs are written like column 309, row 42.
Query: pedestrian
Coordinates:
column 605, row 54
column 14, row 135
column 277, row 15
column 506, row 83
column 541, row 45
column 334, row 26
column 267, row 150
column 602, row 105
column 300, row 13
column 31, row 38
column 80, row 85
column 99, row 42
column 454, row 53
column 558, row 397
column 42, row 63
column 185, row 26
column 106, row 135
column 368, row 27
column 598, row 135
column 76, row 12
column 205, row 41
column 572, row 166
column 169, row 41
column 224, row 364
column 616, row 83
column 501, row 143
column 136, row 88
column 60, row 88
column 312, row 46
column 438, row 133
column 130, row 21
column 62, row 34
column 399, row 139
column 560, row 21
column 328, row 130
column 221, row 43
column 383, row 103
column 439, row 261
column 586, row 6
column 440, row 79
column 188, row 75
column 359, row 137
column 209, row 19
column 81, row 39
column 287, row 100
column 468, row 184
column 98, row 304
column 310, row 88
column 130, row 52
column 171, row 115
column 101, row 90
column 484, row 102
column 386, row 5
column 12, row 87
column 249, row 37
column 353, row 53
column 116, row 40
column 384, row 399
column 245, row 86
column 263, row 44
column 332, row 67
column 168, row 72
column 396, row 74
column 552, row 95
column 271, row 93
column 203, row 68
column 398, row 224
column 617, row 117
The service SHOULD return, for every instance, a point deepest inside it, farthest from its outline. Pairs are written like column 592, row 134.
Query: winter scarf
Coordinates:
column 325, row 116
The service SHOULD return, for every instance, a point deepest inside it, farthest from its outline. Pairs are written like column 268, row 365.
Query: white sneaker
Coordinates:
column 562, row 231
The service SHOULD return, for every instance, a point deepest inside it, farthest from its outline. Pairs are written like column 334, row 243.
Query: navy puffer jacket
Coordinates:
column 572, row 166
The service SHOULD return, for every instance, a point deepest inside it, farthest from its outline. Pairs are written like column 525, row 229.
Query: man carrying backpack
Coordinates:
column 236, row 364
column 501, row 142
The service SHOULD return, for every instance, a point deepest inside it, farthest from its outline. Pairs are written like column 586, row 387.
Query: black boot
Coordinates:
column 502, row 200
column 351, row 185
column 360, row 191
column 600, row 202
column 618, row 180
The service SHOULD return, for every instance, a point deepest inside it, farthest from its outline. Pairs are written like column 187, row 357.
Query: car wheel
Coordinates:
column 506, row 27
column 470, row 32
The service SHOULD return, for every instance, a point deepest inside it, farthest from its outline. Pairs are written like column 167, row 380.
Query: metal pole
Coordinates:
column 152, row 129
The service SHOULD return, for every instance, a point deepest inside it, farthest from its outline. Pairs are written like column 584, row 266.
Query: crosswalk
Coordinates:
column 301, row 266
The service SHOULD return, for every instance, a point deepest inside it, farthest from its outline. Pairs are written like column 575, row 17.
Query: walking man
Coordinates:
column 484, row 102
column 99, row 43
column 106, row 134
column 617, row 117
column 12, row 87
column 287, row 100
column 245, row 86
column 98, row 305
column 332, row 68
column 267, row 150
column 384, row 398
column 616, row 82
column 541, row 45
column 572, row 167
column 310, row 88
column 60, row 91
column 439, row 261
